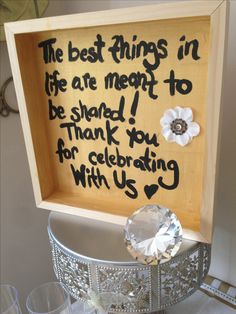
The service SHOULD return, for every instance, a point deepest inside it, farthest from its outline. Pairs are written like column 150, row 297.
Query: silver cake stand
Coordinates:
column 89, row 254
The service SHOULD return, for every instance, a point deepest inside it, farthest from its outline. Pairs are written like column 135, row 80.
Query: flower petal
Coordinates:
column 193, row 129
column 187, row 114
column 171, row 114
column 166, row 128
column 168, row 135
column 183, row 139
column 164, row 122
column 179, row 112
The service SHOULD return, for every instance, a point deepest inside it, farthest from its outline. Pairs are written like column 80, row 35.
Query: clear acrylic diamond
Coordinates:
column 153, row 234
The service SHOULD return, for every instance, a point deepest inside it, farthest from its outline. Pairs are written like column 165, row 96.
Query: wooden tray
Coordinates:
column 98, row 152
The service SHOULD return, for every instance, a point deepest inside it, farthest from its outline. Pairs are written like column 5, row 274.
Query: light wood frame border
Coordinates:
column 216, row 10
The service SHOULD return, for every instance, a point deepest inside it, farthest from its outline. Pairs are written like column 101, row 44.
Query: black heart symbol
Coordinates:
column 150, row 190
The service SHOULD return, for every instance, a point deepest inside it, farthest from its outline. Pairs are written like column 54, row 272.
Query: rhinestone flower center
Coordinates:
column 178, row 126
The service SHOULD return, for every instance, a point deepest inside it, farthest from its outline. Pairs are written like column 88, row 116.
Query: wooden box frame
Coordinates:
column 216, row 10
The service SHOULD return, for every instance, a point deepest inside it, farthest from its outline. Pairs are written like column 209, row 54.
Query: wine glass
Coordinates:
column 9, row 302
column 50, row 298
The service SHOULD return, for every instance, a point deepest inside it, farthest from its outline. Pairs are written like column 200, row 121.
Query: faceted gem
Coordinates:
column 153, row 234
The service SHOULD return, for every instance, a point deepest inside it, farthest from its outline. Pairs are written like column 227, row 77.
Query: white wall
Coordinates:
column 25, row 255
column 25, row 259
column 224, row 245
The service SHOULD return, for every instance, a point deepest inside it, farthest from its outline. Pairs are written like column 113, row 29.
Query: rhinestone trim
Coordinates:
column 151, row 288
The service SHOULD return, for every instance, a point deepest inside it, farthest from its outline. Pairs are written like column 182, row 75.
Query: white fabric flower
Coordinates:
column 178, row 126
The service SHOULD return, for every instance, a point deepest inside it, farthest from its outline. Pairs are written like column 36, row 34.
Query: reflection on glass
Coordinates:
column 9, row 302
column 49, row 298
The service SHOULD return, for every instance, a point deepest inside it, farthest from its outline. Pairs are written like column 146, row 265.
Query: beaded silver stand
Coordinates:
column 92, row 255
